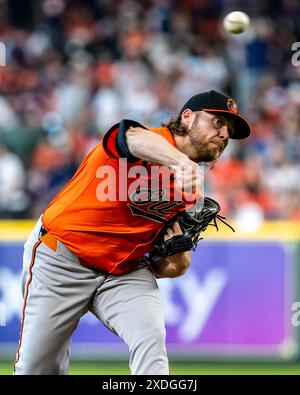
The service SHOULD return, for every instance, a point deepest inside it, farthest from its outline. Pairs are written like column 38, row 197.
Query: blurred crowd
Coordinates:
column 74, row 68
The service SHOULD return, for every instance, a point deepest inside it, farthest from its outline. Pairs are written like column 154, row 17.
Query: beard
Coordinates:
column 206, row 151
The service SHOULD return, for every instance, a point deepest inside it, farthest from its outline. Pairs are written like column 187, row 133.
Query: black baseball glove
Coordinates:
column 192, row 223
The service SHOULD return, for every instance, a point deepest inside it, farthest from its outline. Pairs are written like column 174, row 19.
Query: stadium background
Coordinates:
column 74, row 68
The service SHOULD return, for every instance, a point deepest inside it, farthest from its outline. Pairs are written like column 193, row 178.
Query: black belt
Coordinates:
column 42, row 232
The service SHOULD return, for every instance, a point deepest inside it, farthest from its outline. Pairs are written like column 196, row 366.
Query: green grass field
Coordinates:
column 118, row 368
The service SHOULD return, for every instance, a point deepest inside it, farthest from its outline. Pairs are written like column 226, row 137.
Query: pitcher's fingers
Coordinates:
column 177, row 229
column 169, row 234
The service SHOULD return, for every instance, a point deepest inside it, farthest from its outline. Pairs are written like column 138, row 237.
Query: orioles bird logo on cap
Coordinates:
column 232, row 106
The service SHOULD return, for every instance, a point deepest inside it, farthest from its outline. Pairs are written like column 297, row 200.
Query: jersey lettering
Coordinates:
column 154, row 209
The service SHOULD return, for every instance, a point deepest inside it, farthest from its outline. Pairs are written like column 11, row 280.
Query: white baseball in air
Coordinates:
column 236, row 22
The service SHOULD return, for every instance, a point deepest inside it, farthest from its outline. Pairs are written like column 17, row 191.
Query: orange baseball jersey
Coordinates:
column 111, row 233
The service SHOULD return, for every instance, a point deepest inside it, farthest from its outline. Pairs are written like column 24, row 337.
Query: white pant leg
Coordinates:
column 130, row 306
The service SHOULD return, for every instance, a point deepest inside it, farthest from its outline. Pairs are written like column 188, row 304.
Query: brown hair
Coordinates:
column 175, row 126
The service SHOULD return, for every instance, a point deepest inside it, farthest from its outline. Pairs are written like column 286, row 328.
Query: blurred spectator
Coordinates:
column 14, row 201
column 106, row 103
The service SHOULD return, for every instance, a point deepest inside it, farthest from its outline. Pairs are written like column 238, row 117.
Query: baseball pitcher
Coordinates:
column 113, row 229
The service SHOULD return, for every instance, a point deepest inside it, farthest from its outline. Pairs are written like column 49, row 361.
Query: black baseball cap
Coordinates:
column 217, row 102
